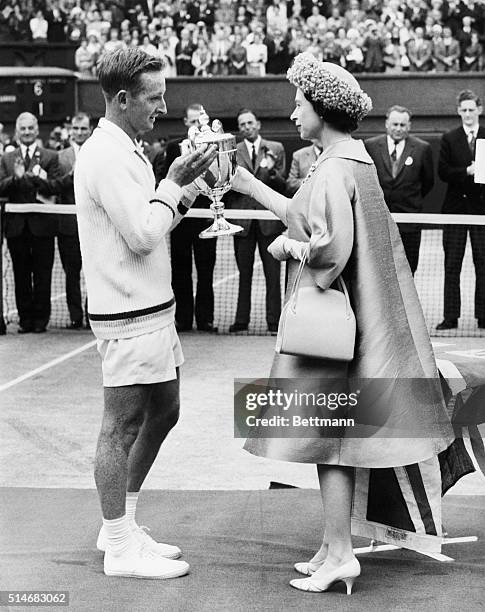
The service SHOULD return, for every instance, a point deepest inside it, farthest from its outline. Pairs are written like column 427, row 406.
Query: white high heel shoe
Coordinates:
column 347, row 573
column 307, row 568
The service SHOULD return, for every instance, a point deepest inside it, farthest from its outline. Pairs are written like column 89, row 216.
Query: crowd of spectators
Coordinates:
column 60, row 138
column 258, row 37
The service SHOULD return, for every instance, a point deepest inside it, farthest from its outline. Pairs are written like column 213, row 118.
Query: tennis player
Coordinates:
column 123, row 223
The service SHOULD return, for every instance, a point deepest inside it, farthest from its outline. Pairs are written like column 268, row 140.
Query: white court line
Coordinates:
column 258, row 264
column 47, row 365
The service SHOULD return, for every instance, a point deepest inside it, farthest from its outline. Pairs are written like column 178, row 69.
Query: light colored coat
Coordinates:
column 340, row 212
column 300, row 165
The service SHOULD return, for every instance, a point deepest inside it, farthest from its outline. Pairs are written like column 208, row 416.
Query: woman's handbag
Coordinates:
column 317, row 323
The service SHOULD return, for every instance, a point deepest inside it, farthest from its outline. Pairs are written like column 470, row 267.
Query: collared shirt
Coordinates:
column 118, row 133
column 399, row 146
column 317, row 151
column 256, row 144
column 31, row 149
column 124, row 139
column 75, row 148
column 473, row 130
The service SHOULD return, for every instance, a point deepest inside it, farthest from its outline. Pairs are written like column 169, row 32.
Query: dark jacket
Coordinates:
column 403, row 193
column 25, row 190
column 463, row 195
column 162, row 162
column 67, row 223
column 274, row 178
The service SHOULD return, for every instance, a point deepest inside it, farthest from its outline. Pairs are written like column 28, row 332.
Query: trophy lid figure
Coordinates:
column 217, row 180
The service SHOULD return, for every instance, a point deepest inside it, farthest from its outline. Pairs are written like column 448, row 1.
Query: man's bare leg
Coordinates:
column 160, row 414
column 123, row 416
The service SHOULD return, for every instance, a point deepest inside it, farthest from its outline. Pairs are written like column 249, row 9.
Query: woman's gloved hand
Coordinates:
column 241, row 181
column 277, row 248
column 283, row 248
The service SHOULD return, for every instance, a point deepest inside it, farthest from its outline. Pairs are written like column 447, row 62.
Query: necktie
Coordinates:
column 27, row 159
column 471, row 141
column 253, row 157
column 394, row 160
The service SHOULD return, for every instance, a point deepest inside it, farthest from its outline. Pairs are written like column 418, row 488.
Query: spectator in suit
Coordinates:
column 456, row 167
column 201, row 58
column 56, row 19
column 237, row 56
column 404, row 167
column 183, row 54
column 279, row 59
column 266, row 160
column 67, row 234
column 473, row 55
column 300, row 165
column 419, row 52
column 464, row 37
column 184, row 240
column 219, row 51
column 30, row 237
column 373, row 49
column 183, row 16
column 446, row 52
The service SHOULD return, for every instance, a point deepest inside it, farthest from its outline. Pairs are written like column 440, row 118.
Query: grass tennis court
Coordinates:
column 51, row 416
column 204, row 493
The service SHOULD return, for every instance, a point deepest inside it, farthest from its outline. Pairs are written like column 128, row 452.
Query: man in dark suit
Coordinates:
column 30, row 237
column 183, row 240
column 67, row 234
column 266, row 160
column 301, row 163
column 404, row 167
column 420, row 51
column 463, row 196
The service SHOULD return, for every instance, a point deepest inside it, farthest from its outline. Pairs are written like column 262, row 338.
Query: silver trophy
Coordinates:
column 218, row 178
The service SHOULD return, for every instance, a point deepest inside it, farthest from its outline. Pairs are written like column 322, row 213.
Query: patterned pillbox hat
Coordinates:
column 331, row 85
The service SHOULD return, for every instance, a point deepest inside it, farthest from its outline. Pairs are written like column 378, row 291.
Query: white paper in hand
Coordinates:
column 480, row 161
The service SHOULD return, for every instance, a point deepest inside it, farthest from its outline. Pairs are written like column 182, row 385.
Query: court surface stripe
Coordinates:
column 47, row 365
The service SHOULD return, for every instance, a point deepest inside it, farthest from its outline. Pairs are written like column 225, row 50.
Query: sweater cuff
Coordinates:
column 169, row 192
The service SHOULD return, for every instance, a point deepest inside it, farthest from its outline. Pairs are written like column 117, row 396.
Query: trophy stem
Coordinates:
column 220, row 226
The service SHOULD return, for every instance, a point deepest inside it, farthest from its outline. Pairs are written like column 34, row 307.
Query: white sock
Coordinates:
column 131, row 501
column 119, row 534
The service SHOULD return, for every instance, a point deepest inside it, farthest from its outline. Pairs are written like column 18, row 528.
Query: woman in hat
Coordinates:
column 339, row 221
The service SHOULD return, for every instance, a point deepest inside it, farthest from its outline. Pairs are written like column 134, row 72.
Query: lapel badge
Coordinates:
column 409, row 161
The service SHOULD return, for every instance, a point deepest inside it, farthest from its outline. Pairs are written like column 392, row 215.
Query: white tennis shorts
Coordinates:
column 141, row 360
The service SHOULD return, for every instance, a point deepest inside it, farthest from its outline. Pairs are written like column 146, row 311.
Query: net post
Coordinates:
column 3, row 327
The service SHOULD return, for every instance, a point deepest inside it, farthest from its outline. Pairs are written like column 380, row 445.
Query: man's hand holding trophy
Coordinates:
column 217, row 179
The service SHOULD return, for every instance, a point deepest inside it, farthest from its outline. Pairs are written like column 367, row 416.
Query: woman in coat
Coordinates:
column 338, row 217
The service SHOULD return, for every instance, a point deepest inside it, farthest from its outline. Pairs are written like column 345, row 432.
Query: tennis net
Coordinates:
column 429, row 277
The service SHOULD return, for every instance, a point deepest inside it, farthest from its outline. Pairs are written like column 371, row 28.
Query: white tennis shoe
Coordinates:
column 139, row 561
column 140, row 533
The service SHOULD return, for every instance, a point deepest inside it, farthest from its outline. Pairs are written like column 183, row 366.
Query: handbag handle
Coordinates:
column 296, row 285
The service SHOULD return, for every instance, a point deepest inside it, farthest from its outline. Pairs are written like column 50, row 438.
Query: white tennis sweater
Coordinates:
column 123, row 223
